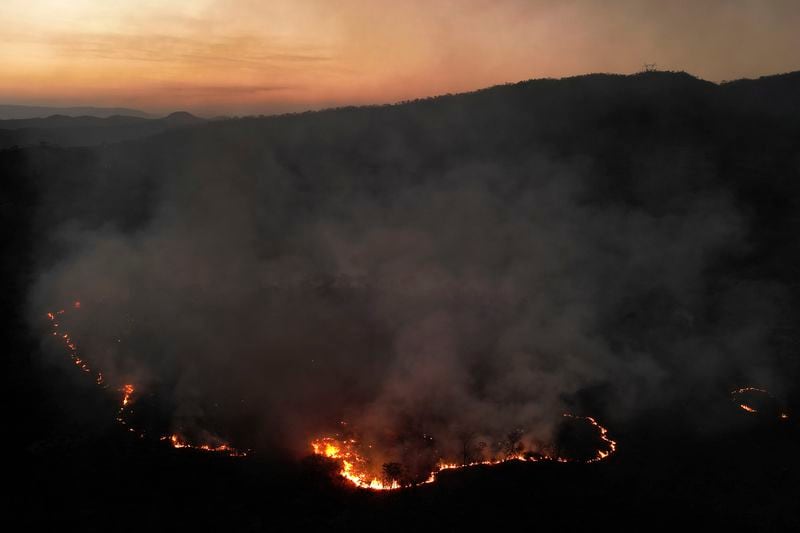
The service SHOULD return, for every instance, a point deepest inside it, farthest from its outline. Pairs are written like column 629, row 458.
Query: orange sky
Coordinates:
column 246, row 56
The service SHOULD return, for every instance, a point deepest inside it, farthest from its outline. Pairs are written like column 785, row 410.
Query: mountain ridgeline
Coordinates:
column 85, row 130
column 623, row 247
column 13, row 112
column 633, row 221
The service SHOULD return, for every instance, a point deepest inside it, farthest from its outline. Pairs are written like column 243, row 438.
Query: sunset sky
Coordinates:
column 249, row 56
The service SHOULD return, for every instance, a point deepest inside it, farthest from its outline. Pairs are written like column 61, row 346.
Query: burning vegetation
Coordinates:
column 365, row 464
column 359, row 467
column 176, row 441
column 127, row 391
column 758, row 401
column 356, row 459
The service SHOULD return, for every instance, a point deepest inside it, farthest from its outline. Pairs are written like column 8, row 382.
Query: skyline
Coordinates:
column 245, row 57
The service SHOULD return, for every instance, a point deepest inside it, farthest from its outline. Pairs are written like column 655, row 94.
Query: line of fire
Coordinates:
column 357, row 460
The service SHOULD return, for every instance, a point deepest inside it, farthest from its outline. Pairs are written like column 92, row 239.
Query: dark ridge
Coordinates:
column 65, row 130
column 182, row 118
column 648, row 148
column 32, row 111
column 772, row 96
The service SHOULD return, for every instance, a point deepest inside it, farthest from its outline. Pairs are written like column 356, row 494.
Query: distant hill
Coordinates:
column 9, row 112
column 629, row 243
column 64, row 130
column 182, row 118
column 773, row 95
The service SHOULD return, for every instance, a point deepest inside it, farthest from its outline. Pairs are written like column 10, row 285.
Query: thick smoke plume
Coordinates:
column 444, row 268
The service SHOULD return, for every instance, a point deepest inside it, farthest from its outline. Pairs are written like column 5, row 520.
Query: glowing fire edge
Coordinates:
column 333, row 449
column 744, row 390
column 127, row 391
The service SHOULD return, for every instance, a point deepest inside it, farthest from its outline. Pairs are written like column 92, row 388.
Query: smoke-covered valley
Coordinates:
column 466, row 264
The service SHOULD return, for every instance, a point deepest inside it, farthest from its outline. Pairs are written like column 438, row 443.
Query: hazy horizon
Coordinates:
column 431, row 265
column 235, row 57
column 160, row 113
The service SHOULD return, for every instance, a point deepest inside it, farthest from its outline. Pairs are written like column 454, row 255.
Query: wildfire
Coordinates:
column 612, row 444
column 179, row 443
column 353, row 464
column 740, row 397
column 127, row 391
column 355, row 467
column 69, row 344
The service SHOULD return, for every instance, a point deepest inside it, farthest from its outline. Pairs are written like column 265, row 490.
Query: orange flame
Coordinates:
column 749, row 408
column 354, row 466
column 127, row 391
column 177, row 442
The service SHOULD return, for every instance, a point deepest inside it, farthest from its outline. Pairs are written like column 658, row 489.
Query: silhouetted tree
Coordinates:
column 393, row 472
column 465, row 439
column 512, row 445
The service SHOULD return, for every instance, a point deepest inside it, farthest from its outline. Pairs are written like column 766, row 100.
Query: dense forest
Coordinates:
column 620, row 246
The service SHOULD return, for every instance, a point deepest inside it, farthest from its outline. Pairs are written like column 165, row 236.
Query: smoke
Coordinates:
column 271, row 278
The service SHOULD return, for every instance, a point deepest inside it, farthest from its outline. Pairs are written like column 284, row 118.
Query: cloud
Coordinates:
column 368, row 52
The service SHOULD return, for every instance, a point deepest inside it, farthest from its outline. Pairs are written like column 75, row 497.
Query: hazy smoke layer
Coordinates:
column 404, row 275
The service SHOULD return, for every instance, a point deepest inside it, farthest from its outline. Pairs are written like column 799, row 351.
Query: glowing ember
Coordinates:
column 177, row 442
column 69, row 345
column 356, row 469
column 744, row 397
column 127, row 391
column 612, row 444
